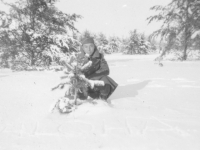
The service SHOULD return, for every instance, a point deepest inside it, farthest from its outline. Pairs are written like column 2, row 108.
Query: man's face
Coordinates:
column 88, row 48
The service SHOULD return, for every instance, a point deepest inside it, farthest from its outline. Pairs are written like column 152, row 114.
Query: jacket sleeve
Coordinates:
column 99, row 68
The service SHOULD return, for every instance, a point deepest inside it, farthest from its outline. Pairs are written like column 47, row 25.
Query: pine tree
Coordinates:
column 137, row 43
column 114, row 44
column 178, row 23
column 37, row 29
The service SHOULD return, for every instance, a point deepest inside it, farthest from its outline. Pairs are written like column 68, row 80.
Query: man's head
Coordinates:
column 88, row 46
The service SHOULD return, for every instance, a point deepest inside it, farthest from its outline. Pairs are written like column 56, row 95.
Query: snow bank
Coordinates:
column 192, row 55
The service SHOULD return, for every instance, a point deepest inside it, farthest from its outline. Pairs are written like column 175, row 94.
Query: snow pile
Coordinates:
column 175, row 56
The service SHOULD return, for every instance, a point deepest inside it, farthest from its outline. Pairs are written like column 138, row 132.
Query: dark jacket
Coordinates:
column 99, row 67
column 99, row 70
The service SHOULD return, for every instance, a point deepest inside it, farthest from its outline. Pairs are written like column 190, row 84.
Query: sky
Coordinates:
column 111, row 17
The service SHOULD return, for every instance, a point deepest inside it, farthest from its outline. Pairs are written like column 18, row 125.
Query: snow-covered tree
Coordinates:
column 102, row 43
column 136, row 43
column 114, row 43
column 180, row 19
column 34, row 30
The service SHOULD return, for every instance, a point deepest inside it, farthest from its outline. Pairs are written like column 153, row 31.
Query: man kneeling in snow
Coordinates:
column 102, row 86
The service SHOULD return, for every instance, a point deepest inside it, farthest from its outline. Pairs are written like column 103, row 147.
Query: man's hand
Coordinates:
column 87, row 55
column 87, row 65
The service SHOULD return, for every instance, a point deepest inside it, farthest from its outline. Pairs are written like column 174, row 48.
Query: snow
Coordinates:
column 192, row 55
column 154, row 108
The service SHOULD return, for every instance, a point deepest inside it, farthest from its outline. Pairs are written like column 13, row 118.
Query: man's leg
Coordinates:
column 94, row 93
column 83, row 95
column 105, row 91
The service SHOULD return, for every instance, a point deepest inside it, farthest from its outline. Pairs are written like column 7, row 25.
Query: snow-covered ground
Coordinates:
column 154, row 108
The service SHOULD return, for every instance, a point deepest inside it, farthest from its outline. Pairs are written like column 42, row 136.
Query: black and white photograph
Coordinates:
column 99, row 74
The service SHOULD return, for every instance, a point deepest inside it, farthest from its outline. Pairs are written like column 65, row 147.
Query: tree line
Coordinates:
column 135, row 43
column 36, row 33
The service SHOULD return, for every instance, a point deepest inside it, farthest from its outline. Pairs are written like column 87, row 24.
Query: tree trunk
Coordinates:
column 164, row 52
column 185, row 52
column 32, row 58
column 32, row 62
column 184, row 57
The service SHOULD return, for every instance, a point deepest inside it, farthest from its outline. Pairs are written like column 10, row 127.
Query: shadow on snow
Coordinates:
column 130, row 90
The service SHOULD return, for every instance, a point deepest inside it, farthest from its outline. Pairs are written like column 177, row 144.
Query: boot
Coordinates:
column 96, row 83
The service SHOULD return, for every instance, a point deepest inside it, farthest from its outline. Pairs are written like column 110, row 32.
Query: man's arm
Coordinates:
column 100, row 68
